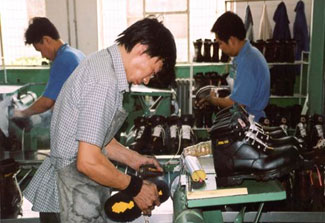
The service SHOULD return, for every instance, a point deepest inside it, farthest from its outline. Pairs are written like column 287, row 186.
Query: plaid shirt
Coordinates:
column 85, row 111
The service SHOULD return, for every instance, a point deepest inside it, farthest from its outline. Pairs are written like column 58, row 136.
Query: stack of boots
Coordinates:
column 157, row 144
column 237, row 160
column 198, row 51
column 213, row 78
column 290, row 51
column 284, row 125
column 237, row 157
column 207, row 50
column 186, row 132
column 173, row 124
column 317, row 133
column 11, row 197
column 215, row 51
column 270, row 52
column 282, row 51
column 200, row 80
column 301, row 129
column 142, row 134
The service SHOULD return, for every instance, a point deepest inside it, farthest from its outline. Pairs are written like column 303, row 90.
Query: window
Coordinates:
column 15, row 52
column 188, row 20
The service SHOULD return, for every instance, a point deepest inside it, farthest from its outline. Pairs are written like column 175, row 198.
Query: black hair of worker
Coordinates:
column 38, row 28
column 227, row 25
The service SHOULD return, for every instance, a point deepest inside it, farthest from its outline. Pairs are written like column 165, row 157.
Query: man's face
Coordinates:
column 142, row 67
column 45, row 49
column 227, row 47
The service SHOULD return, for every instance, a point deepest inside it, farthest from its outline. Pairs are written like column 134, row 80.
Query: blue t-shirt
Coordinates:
column 252, row 81
column 66, row 60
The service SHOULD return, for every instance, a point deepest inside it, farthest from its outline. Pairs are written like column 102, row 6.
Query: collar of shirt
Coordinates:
column 60, row 50
column 123, row 84
column 242, row 52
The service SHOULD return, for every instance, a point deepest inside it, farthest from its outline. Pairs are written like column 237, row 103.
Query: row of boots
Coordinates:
column 277, row 50
column 160, row 135
column 244, row 149
column 209, row 53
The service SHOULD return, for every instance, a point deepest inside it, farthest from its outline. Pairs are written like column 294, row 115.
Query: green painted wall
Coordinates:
column 24, row 75
column 317, row 59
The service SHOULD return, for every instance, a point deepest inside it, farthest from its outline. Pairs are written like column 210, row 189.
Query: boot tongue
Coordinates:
column 157, row 131
column 186, row 131
column 173, row 131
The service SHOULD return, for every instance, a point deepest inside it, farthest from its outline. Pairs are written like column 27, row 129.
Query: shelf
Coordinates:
column 288, row 96
column 197, row 64
column 286, row 63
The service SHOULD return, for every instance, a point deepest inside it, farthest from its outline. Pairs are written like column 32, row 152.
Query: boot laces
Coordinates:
column 319, row 129
column 140, row 131
column 302, row 129
column 254, row 141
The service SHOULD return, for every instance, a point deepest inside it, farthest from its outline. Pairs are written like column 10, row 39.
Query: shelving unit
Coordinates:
column 301, row 94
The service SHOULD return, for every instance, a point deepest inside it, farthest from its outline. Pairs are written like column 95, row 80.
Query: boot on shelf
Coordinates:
column 207, row 50
column 173, row 125
column 142, row 132
column 198, row 57
column 215, row 51
column 186, row 132
column 158, row 135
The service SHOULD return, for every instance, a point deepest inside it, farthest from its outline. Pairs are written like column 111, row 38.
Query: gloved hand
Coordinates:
column 121, row 207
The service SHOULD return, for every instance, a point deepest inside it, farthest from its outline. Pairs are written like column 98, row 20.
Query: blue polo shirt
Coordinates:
column 66, row 60
column 252, row 81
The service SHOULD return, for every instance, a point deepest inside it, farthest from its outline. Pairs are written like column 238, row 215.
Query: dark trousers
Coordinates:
column 48, row 217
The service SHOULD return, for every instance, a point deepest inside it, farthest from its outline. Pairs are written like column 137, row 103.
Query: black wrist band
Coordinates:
column 134, row 186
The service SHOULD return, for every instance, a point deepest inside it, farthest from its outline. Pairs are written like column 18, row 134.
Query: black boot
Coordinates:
column 158, row 135
column 141, row 136
column 187, row 134
column 198, row 51
column 215, row 51
column 173, row 124
column 207, row 50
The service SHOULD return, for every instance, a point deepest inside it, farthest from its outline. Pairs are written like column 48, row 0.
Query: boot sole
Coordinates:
column 258, row 176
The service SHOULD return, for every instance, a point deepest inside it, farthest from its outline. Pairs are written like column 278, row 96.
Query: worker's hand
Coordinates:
column 140, row 160
column 18, row 114
column 208, row 100
column 147, row 198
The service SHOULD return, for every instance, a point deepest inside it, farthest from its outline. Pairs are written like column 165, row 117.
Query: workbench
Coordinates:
column 202, row 200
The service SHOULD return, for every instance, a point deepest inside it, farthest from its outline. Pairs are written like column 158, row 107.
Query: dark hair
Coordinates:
column 38, row 28
column 229, row 24
column 160, row 41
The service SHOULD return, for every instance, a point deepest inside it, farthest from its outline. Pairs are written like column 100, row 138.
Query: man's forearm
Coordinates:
column 41, row 105
column 118, row 152
column 222, row 102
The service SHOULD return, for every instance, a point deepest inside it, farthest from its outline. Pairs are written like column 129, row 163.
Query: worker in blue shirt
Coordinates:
column 45, row 38
column 252, row 76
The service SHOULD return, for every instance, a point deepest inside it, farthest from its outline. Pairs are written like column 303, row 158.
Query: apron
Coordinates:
column 82, row 199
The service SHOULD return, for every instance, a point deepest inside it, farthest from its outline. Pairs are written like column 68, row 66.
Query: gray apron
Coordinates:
column 82, row 199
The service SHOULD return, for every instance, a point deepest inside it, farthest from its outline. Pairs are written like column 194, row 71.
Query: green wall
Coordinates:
column 24, row 75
